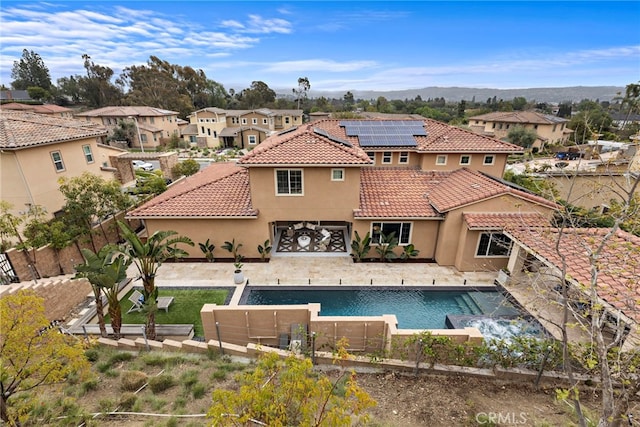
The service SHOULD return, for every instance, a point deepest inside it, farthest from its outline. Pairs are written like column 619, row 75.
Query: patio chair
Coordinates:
column 137, row 299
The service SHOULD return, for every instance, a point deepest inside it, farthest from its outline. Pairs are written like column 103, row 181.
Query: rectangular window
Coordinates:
column 401, row 230
column 193, row 138
column 152, row 120
column 489, row 159
column 254, row 121
column 202, row 128
column 286, row 120
column 88, row 155
column 554, row 128
column 441, row 159
column 244, row 121
column 386, row 157
column 209, row 132
column 493, row 125
column 289, row 181
column 372, row 155
column 337, row 174
column 494, row 245
column 465, row 159
column 264, row 121
column 403, row 157
column 57, row 161
column 252, row 140
column 143, row 138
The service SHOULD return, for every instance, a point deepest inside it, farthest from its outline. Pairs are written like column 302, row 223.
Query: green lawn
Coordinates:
column 185, row 307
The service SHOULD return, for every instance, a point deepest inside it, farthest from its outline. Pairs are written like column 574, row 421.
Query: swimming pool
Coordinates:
column 415, row 308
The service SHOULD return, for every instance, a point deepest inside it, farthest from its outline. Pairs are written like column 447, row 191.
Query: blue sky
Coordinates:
column 341, row 46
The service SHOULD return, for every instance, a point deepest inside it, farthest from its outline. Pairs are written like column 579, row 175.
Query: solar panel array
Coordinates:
column 385, row 133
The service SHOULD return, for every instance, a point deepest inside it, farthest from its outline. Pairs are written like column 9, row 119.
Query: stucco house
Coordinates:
column 153, row 125
column 36, row 150
column 550, row 129
column 51, row 109
column 310, row 189
column 215, row 127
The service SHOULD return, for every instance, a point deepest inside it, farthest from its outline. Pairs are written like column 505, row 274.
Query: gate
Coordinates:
column 7, row 274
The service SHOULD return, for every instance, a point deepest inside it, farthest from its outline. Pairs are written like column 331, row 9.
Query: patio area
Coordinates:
column 307, row 238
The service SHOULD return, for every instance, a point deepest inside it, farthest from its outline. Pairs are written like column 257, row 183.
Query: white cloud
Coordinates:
column 324, row 65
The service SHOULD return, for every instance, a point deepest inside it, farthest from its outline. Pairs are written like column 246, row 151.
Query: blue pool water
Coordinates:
column 414, row 308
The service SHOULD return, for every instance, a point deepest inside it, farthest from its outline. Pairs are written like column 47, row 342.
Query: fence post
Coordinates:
column 418, row 354
column 313, row 348
column 144, row 334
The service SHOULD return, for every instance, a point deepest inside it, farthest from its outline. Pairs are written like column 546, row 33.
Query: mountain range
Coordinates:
column 456, row 94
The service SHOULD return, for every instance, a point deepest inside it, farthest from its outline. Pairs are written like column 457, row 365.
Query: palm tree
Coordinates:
column 148, row 256
column 105, row 270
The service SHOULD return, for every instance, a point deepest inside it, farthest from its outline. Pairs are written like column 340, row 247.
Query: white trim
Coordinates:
column 493, row 159
column 465, row 155
column 61, row 161
column 275, row 177
column 384, row 157
column 406, row 160
column 491, row 233
column 341, row 170
column 438, row 157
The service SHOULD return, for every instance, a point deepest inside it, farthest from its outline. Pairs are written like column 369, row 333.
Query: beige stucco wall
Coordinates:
column 428, row 163
column 166, row 125
column 423, row 235
column 29, row 175
column 457, row 246
column 322, row 199
column 210, row 124
column 553, row 133
column 591, row 190
column 413, row 159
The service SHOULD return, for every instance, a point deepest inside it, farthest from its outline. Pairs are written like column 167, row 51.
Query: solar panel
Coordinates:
column 387, row 141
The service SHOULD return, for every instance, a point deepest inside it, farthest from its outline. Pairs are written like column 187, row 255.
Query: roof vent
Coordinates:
column 476, row 186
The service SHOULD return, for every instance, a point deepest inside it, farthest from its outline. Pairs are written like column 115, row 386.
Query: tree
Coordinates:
column 38, row 93
column 186, row 167
column 589, row 124
column 30, row 71
column 32, row 354
column 287, row 393
column 519, row 103
column 302, row 90
column 348, row 101
column 148, row 256
column 105, row 270
column 632, row 101
column 96, row 88
column 11, row 226
column 257, row 96
column 521, row 136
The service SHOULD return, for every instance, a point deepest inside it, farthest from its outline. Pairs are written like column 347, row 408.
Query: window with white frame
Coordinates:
column 337, row 174
column 386, row 156
column 88, row 155
column 264, row 121
column 372, row 155
column 494, row 245
column 193, row 138
column 289, row 181
column 234, row 120
column 489, row 159
column 465, row 159
column 441, row 159
column 286, row 120
column 403, row 157
column 401, row 230
column 252, row 139
column 57, row 161
column 244, row 121
column 254, row 121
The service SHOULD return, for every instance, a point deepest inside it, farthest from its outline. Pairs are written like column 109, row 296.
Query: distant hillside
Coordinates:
column 455, row 94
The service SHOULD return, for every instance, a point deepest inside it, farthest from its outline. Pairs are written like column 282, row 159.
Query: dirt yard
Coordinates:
column 402, row 400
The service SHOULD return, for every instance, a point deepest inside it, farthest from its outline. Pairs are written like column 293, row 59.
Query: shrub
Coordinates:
column 161, row 383
column 198, row 390
column 92, row 354
column 91, row 384
column 127, row 401
column 189, row 379
column 133, row 380
column 120, row 357
column 219, row 374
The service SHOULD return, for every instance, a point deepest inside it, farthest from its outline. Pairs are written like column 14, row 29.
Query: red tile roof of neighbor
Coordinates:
column 303, row 146
column 618, row 278
column 441, row 138
column 20, row 129
column 125, row 111
column 520, row 117
column 220, row 190
column 500, row 220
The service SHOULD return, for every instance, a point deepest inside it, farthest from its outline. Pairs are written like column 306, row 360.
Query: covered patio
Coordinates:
column 306, row 237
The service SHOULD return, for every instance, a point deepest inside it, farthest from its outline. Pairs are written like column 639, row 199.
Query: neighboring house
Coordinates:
column 550, row 129
column 621, row 120
column 214, row 127
column 154, row 125
column 50, row 109
column 330, row 179
column 36, row 150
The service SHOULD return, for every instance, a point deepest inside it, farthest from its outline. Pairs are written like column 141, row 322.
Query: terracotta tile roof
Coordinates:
column 441, row 138
column 501, row 220
column 220, row 190
column 304, row 146
column 619, row 263
column 464, row 186
column 126, row 111
column 396, row 193
column 523, row 117
column 20, row 129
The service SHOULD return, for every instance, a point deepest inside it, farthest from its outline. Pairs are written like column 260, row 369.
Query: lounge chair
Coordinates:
column 138, row 301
